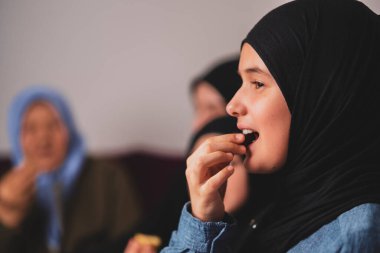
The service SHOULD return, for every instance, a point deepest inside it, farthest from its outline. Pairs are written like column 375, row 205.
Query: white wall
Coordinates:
column 124, row 65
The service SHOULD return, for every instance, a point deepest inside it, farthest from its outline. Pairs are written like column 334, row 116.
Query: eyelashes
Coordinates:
column 258, row 84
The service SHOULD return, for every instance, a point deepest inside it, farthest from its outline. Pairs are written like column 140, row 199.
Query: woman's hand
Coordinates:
column 207, row 172
column 17, row 189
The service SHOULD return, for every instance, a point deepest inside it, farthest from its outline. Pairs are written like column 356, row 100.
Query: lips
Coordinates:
column 44, row 152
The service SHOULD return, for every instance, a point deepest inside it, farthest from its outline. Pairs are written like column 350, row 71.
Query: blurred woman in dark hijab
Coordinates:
column 211, row 91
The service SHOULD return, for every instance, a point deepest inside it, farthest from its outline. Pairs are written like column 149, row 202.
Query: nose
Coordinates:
column 235, row 107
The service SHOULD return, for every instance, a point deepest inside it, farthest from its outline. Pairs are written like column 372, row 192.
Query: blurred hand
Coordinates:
column 17, row 189
column 134, row 246
column 207, row 172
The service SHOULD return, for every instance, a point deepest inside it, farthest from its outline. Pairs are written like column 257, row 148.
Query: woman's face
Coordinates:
column 208, row 104
column 260, row 107
column 44, row 137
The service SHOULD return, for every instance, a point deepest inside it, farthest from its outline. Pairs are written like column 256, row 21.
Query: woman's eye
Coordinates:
column 258, row 84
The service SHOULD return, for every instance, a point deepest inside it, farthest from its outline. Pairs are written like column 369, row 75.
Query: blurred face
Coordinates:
column 44, row 138
column 208, row 103
column 261, row 108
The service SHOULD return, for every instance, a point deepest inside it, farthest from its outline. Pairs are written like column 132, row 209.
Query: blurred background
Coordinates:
column 123, row 65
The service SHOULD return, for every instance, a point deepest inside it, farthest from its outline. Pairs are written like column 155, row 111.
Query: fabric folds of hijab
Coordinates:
column 324, row 55
column 223, row 77
column 221, row 125
column 63, row 177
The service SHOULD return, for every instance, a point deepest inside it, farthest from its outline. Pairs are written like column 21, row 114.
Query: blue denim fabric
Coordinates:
column 357, row 230
column 193, row 235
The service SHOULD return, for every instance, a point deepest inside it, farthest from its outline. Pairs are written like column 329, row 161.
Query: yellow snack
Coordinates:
column 151, row 240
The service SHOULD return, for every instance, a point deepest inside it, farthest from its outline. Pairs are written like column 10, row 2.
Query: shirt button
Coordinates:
column 253, row 224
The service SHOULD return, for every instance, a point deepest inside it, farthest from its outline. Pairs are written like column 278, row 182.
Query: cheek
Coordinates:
column 274, row 115
column 28, row 144
column 280, row 125
column 61, row 144
column 211, row 111
column 273, row 118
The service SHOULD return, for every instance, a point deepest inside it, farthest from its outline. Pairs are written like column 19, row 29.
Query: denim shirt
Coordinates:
column 357, row 230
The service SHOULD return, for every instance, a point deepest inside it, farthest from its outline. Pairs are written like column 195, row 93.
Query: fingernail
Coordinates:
column 238, row 136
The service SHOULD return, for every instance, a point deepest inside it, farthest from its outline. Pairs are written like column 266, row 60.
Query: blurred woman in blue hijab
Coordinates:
column 54, row 199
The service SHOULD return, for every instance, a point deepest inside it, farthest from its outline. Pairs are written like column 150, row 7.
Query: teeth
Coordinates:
column 247, row 131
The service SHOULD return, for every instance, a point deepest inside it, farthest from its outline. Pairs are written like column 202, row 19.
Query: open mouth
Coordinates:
column 250, row 136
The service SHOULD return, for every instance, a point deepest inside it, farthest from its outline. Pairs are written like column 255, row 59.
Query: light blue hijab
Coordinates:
column 54, row 187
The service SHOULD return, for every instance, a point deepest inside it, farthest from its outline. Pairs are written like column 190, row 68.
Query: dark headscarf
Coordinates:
column 223, row 77
column 325, row 57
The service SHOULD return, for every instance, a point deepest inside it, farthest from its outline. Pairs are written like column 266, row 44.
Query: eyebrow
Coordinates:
column 253, row 70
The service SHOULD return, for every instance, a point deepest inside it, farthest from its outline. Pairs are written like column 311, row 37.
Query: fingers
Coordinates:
column 207, row 173
column 212, row 145
column 227, row 143
column 235, row 138
column 204, row 163
column 214, row 153
column 22, row 180
column 26, row 181
column 17, row 188
column 148, row 249
column 135, row 247
column 219, row 179
column 132, row 246
column 27, row 193
column 29, row 168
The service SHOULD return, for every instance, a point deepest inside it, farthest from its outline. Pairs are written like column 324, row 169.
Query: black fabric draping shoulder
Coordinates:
column 325, row 57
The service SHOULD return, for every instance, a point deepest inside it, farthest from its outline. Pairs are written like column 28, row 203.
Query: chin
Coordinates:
column 46, row 166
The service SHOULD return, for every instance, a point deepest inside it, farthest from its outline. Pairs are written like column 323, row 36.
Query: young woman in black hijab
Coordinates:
column 310, row 95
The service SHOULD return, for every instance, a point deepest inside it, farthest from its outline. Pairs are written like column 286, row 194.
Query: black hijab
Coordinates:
column 325, row 57
column 223, row 77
